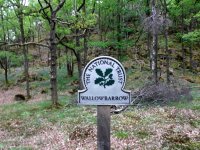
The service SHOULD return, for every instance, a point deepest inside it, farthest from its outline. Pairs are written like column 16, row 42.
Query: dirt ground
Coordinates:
column 7, row 96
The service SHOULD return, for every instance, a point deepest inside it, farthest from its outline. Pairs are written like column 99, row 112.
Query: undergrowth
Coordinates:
column 173, row 126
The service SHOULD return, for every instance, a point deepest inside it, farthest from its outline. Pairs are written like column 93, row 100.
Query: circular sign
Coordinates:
column 104, row 79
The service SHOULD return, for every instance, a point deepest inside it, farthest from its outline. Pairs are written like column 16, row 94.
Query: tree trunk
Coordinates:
column 70, row 64
column 6, row 59
column 3, row 28
column 167, row 57
column 154, row 57
column 119, row 28
column 85, row 49
column 166, row 43
column 4, row 66
column 182, row 44
column 85, row 41
column 25, row 53
column 191, row 55
column 79, row 61
column 100, row 21
column 155, row 43
column 53, row 56
column 6, row 72
column 149, row 48
column 190, row 48
column 148, row 13
column 53, row 47
column 59, row 55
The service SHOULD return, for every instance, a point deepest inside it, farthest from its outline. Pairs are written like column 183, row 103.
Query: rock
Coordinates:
column 19, row 97
column 171, row 71
column 44, row 91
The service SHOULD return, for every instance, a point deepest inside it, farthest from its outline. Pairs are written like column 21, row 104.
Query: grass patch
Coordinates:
column 194, row 105
column 36, row 115
column 121, row 134
column 142, row 134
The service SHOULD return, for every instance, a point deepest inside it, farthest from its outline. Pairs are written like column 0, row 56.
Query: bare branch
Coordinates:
column 43, row 10
column 60, row 5
column 65, row 45
column 2, row 66
column 119, row 110
column 63, row 22
column 81, row 6
column 28, row 43
column 2, row 43
column 48, row 4
column 66, row 37
column 94, row 5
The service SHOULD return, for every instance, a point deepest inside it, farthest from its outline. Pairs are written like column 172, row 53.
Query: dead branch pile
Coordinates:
column 156, row 94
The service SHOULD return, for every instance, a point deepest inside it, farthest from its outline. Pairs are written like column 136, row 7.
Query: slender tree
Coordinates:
column 52, row 40
column 148, row 13
column 19, row 8
column 154, row 41
column 166, row 42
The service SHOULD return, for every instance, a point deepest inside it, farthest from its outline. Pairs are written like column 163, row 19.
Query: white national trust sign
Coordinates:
column 104, row 79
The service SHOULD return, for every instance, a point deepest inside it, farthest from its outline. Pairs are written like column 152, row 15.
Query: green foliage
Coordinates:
column 197, row 16
column 85, row 21
column 11, row 57
column 122, row 134
column 63, row 80
column 142, row 134
column 99, row 44
column 192, row 37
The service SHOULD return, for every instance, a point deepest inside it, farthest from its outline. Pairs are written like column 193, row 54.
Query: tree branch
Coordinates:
column 94, row 5
column 28, row 43
column 61, row 42
column 43, row 11
column 2, row 43
column 70, row 36
column 81, row 6
column 59, row 6
column 117, row 111
column 63, row 22
column 1, row 64
column 48, row 4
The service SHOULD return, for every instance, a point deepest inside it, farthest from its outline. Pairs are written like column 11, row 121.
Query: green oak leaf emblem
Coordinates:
column 104, row 79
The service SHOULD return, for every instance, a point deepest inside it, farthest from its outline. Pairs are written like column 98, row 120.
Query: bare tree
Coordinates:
column 166, row 24
column 154, row 42
column 148, row 13
column 182, row 42
column 154, row 24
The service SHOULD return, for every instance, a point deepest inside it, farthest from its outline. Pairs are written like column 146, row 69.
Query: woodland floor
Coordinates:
column 72, row 128
column 36, row 125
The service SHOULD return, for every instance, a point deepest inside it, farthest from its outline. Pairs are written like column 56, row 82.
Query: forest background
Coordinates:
column 45, row 44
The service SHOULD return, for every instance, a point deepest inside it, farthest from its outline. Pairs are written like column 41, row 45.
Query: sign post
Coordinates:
column 104, row 79
column 103, row 127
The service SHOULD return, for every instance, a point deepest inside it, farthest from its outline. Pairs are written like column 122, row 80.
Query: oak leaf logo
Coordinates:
column 104, row 79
